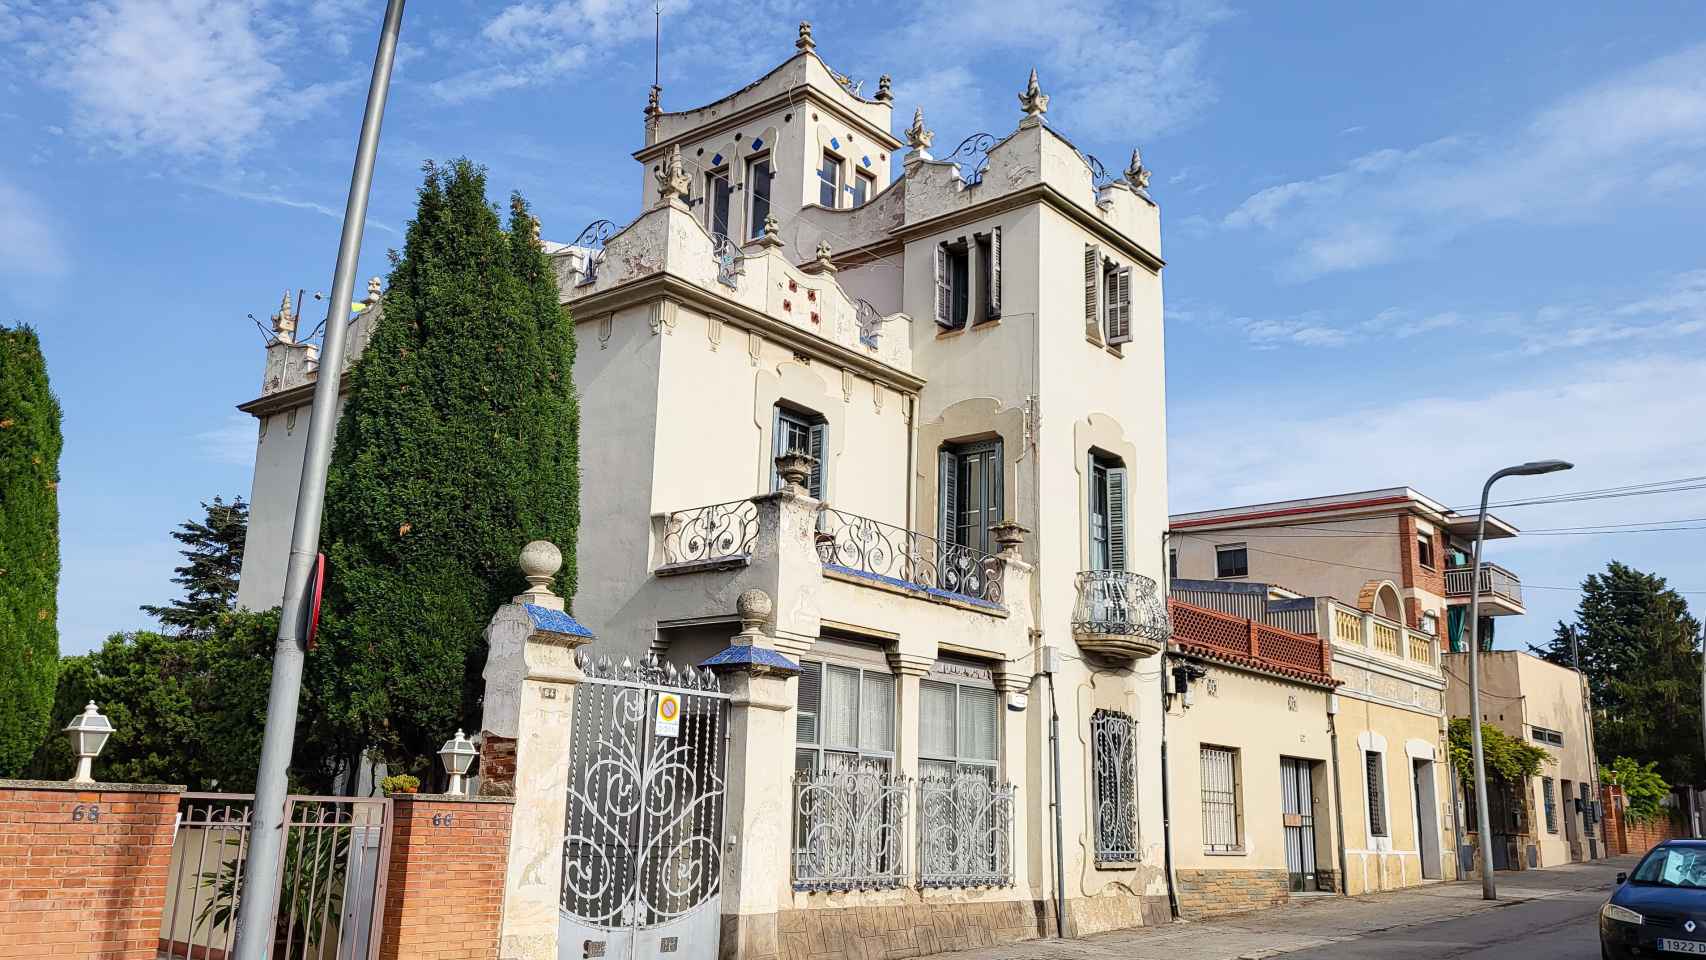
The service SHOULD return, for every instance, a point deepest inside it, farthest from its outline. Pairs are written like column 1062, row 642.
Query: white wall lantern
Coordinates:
column 88, row 731
column 457, row 755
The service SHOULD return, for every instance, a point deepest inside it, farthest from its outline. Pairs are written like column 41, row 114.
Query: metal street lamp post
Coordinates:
column 1489, row 890
column 259, row 901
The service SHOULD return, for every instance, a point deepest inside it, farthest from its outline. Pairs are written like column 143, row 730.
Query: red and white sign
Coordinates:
column 669, row 715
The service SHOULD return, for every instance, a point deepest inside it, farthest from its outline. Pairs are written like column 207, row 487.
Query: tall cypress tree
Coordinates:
column 29, row 546
column 457, row 446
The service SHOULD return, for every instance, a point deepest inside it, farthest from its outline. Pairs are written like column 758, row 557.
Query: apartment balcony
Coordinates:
column 1119, row 615
column 1383, row 640
column 1501, row 590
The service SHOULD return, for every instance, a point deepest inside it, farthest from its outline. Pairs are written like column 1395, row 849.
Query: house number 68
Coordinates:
column 86, row 811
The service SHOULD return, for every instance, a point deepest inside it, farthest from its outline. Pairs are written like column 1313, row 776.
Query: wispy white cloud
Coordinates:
column 278, row 199
column 232, row 442
column 1634, row 137
column 30, row 242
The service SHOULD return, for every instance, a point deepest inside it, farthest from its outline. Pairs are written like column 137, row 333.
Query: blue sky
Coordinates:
column 1406, row 244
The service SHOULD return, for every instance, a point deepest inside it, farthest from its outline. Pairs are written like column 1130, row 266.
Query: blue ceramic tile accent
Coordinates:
column 911, row 587
column 757, row 143
column 717, row 160
column 834, row 143
column 555, row 621
column 746, row 655
column 865, row 160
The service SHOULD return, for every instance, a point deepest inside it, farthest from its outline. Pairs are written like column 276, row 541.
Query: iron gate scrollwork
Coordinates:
column 643, row 836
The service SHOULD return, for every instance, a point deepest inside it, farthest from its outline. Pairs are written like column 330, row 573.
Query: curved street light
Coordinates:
column 1489, row 890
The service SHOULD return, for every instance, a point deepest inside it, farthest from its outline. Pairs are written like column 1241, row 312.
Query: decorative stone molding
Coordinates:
column 805, row 43
column 885, row 93
column 909, row 664
column 919, row 137
column 795, row 468
column 1033, row 101
column 1137, row 174
column 1010, row 536
column 673, row 183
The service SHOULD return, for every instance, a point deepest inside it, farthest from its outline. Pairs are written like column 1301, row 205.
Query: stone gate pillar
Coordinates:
column 758, row 797
column 524, row 748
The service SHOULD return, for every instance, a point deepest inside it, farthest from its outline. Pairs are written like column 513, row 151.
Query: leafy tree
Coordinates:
column 457, row 446
column 186, row 708
column 1641, row 658
column 1643, row 788
column 1511, row 759
column 213, row 559
column 30, row 442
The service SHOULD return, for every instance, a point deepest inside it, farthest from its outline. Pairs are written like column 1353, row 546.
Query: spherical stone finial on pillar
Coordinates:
column 540, row 561
column 754, row 608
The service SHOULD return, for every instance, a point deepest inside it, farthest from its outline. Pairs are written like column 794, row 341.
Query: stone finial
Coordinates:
column 654, row 104
column 823, row 258
column 772, row 235
column 754, row 608
column 885, row 90
column 805, row 42
column 284, row 321
column 918, row 137
column 1033, row 101
column 672, row 176
column 540, row 561
column 795, row 468
column 1137, row 174
column 1009, row 536
column 373, row 291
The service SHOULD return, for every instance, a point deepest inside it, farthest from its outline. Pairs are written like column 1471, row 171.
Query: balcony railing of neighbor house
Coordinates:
column 965, row 831
column 592, row 240
column 850, row 829
column 1495, row 581
column 906, row 558
column 1387, row 637
column 1249, row 641
column 1119, row 613
column 721, row 532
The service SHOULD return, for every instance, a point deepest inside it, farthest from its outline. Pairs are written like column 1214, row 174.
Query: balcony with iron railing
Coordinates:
column 1501, row 590
column 1119, row 615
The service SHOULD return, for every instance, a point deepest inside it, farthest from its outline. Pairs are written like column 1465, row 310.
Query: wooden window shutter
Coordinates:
column 995, row 273
column 810, row 690
column 944, row 294
column 1116, row 518
column 1119, row 312
column 814, row 484
column 1092, row 286
column 947, row 494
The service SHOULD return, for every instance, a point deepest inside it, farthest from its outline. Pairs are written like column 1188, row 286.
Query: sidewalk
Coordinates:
column 1312, row 922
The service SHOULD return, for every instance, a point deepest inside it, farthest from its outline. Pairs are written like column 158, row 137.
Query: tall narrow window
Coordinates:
column 953, row 285
column 1425, row 549
column 1172, row 564
column 796, row 431
column 1219, row 799
column 969, row 493
column 829, row 181
column 717, row 202
column 758, row 178
column 1107, row 513
column 1113, row 756
column 1549, row 787
column 1117, row 297
column 864, row 187
column 1373, row 775
column 1092, row 291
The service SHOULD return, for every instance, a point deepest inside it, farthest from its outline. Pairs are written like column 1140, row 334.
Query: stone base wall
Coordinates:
column 1217, row 893
column 1091, row 915
column 1326, row 881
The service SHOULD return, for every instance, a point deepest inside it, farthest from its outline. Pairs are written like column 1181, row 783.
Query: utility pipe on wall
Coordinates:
column 1059, row 829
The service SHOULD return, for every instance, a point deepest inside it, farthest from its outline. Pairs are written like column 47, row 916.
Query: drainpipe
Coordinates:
column 911, row 458
column 1338, row 793
column 1166, row 811
column 1059, row 830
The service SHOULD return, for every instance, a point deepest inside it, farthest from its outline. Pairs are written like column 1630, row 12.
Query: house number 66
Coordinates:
column 444, row 819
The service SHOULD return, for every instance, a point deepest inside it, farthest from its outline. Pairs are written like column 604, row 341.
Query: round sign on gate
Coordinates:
column 669, row 715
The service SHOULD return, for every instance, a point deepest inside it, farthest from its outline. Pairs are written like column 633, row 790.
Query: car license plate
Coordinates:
column 1683, row 946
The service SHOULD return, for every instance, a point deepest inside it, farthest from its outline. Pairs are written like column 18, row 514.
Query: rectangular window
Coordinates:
column 1092, row 290
column 1549, row 787
column 957, row 729
column 1107, row 513
column 1172, row 564
column 796, row 431
column 1116, row 297
column 864, row 187
column 1113, row 755
column 969, row 493
column 1231, row 560
column 953, row 285
column 829, row 181
column 1544, row 735
column 1375, row 778
column 1220, row 820
column 1425, row 549
column 845, row 717
column 717, row 202
column 758, row 179
column 989, row 259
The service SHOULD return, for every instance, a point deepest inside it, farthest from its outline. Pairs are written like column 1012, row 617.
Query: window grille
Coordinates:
column 1219, row 799
column 1113, row 749
column 1549, row 787
column 965, row 830
column 1376, row 794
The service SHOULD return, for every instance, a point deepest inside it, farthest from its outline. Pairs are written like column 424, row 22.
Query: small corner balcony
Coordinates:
column 1119, row 615
column 1501, row 590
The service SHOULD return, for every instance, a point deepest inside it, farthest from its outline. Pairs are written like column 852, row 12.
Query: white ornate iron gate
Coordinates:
column 643, row 838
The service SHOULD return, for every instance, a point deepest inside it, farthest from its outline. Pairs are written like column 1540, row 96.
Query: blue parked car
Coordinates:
column 1660, row 908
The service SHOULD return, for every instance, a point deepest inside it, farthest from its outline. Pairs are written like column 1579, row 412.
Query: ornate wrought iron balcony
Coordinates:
column 722, row 533
column 909, row 559
column 1119, row 615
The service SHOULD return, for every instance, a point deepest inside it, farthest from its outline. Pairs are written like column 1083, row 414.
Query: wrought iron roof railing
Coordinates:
column 908, row 558
column 973, row 157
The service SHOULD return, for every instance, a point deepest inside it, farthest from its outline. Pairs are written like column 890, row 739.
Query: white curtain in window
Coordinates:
column 876, row 713
column 839, row 712
column 936, row 720
column 978, row 711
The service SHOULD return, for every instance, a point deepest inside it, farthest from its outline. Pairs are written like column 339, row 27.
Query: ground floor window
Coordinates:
column 1220, row 820
column 1548, row 787
column 1375, row 775
column 1113, row 754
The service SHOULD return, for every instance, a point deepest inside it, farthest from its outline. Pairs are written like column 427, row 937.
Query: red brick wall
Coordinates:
column 83, row 872
column 1411, row 572
column 444, row 890
column 1621, row 836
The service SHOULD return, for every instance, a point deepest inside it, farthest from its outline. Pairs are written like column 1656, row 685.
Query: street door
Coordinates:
column 642, row 845
column 1298, row 796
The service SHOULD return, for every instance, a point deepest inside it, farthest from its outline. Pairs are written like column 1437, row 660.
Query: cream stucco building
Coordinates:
column 967, row 356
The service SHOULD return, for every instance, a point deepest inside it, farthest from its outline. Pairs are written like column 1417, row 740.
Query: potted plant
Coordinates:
column 400, row 783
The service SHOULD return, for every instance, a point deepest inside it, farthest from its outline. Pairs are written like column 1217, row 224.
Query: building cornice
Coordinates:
column 1244, row 664
column 670, row 287
column 297, row 396
column 1376, row 665
column 793, row 97
column 1036, row 193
